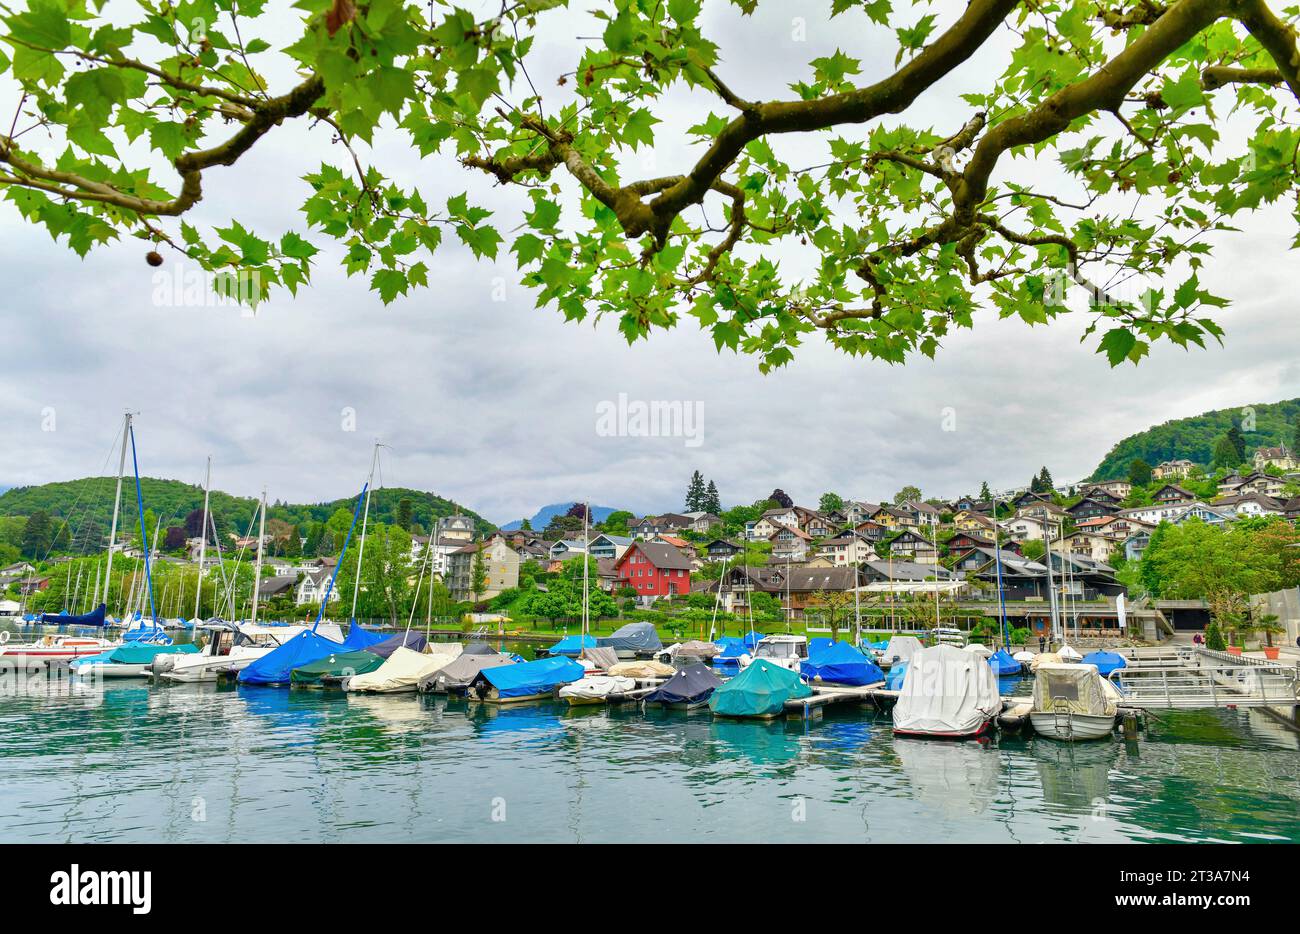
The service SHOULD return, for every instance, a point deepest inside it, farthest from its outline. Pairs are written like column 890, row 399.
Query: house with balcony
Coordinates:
column 1173, row 470
column 500, row 570
column 1282, row 458
column 910, row 545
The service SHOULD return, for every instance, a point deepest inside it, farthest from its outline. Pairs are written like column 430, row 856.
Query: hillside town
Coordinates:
column 1042, row 558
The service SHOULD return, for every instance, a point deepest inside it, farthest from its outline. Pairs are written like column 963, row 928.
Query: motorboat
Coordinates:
column 758, row 692
column 841, row 664
column 595, row 689
column 129, row 660
column 689, row 689
column 786, row 651
column 1004, row 665
column 947, row 693
column 899, row 649
column 634, row 640
column 38, row 653
column 946, row 635
column 1073, row 702
column 527, row 681
column 462, row 674
column 404, row 669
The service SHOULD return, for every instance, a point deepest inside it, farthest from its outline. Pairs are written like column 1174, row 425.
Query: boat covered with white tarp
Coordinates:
column 947, row 693
column 1073, row 702
column 403, row 670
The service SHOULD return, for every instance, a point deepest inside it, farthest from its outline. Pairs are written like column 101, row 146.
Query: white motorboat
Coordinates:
column 1073, row 702
column 51, row 648
column 231, row 647
column 595, row 689
column 783, row 650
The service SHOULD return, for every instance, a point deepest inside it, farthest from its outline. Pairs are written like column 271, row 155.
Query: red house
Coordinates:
column 654, row 569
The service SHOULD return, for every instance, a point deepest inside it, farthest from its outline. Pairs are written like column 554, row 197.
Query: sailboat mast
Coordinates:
column 1002, row 596
column 1051, row 581
column 117, row 503
column 365, row 517
column 203, row 539
column 586, row 624
column 257, row 567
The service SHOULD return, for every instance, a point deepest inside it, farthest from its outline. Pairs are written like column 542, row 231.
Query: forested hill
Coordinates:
column 1193, row 438
column 87, row 505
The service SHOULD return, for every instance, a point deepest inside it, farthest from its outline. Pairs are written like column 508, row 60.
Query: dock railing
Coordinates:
column 1185, row 677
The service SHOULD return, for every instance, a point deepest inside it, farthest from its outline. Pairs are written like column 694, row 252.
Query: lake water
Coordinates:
column 130, row 761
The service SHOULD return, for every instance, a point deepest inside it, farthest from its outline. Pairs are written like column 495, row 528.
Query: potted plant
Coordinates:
column 1268, row 624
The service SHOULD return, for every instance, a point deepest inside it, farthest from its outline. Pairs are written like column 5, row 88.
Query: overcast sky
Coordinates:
column 494, row 403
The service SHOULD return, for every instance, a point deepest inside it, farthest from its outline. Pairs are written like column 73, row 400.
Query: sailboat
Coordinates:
column 65, row 647
column 592, row 689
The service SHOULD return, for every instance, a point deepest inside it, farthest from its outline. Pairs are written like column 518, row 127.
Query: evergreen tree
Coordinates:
column 404, row 508
column 38, row 535
column 985, row 492
column 293, row 543
column 526, row 526
column 1225, row 453
column 1238, row 443
column 712, row 501
column 1036, row 484
column 478, row 575
column 1139, row 472
column 1295, row 437
column 695, row 493
column 1045, row 482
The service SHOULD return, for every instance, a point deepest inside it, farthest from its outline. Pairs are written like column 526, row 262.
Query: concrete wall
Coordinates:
column 1286, row 604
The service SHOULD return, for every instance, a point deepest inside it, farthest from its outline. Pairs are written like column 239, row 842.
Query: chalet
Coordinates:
column 856, row 511
column 1250, row 504
column 1263, row 483
column 651, row 526
column 1282, row 458
column 891, row 517
column 970, row 521
column 277, row 586
column 965, row 541
column 913, row 545
column 798, row 589
column 1097, row 547
column 701, row 521
column 1211, row 515
column 871, row 531
column 1021, row 578
column 1091, row 507
column 1291, row 509
column 1030, row 498
column 1230, row 483
column 721, row 549
column 30, row 585
column 607, row 574
column 974, row 559
column 924, row 513
column 783, row 516
column 1120, row 489
column 1172, row 493
column 313, row 585
column 904, row 571
column 790, row 544
column 819, row 526
column 1082, row 577
column 1029, row 527
column 845, row 550
column 1173, row 470
column 654, row 570
column 500, row 568
column 567, row 548
column 605, row 545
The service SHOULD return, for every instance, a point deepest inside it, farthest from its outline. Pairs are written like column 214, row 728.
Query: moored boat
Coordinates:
column 38, row 653
column 840, row 663
column 787, row 651
column 595, row 689
column 947, row 693
column 759, row 692
column 528, row 681
column 1004, row 665
column 688, row 689
column 1073, row 702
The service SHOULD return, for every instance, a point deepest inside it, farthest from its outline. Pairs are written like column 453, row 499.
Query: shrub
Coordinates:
column 1214, row 638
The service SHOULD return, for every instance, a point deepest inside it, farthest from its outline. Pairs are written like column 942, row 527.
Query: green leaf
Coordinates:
column 389, row 283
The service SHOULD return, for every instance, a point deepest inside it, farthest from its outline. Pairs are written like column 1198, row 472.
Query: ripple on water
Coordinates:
column 184, row 763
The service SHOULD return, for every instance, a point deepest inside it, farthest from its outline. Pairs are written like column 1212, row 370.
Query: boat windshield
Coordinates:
column 776, row 650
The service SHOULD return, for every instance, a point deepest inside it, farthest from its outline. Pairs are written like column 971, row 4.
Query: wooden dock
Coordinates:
column 809, row 708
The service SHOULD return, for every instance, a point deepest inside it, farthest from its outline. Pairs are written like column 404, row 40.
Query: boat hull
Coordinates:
column 1072, row 728
column 980, row 730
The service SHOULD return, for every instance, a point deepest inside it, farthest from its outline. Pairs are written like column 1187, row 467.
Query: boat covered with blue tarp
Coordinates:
column 530, row 679
column 840, row 663
column 1106, row 662
column 572, row 645
column 360, row 638
column 761, row 690
column 94, row 618
column 1003, row 664
column 276, row 666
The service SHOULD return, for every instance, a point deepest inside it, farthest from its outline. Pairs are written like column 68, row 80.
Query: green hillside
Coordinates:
column 87, row 505
column 1193, row 438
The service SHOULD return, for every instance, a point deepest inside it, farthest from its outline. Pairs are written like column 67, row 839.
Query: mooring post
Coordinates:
column 1130, row 725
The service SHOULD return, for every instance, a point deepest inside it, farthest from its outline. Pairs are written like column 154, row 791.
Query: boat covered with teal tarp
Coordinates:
column 761, row 690
column 335, row 667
